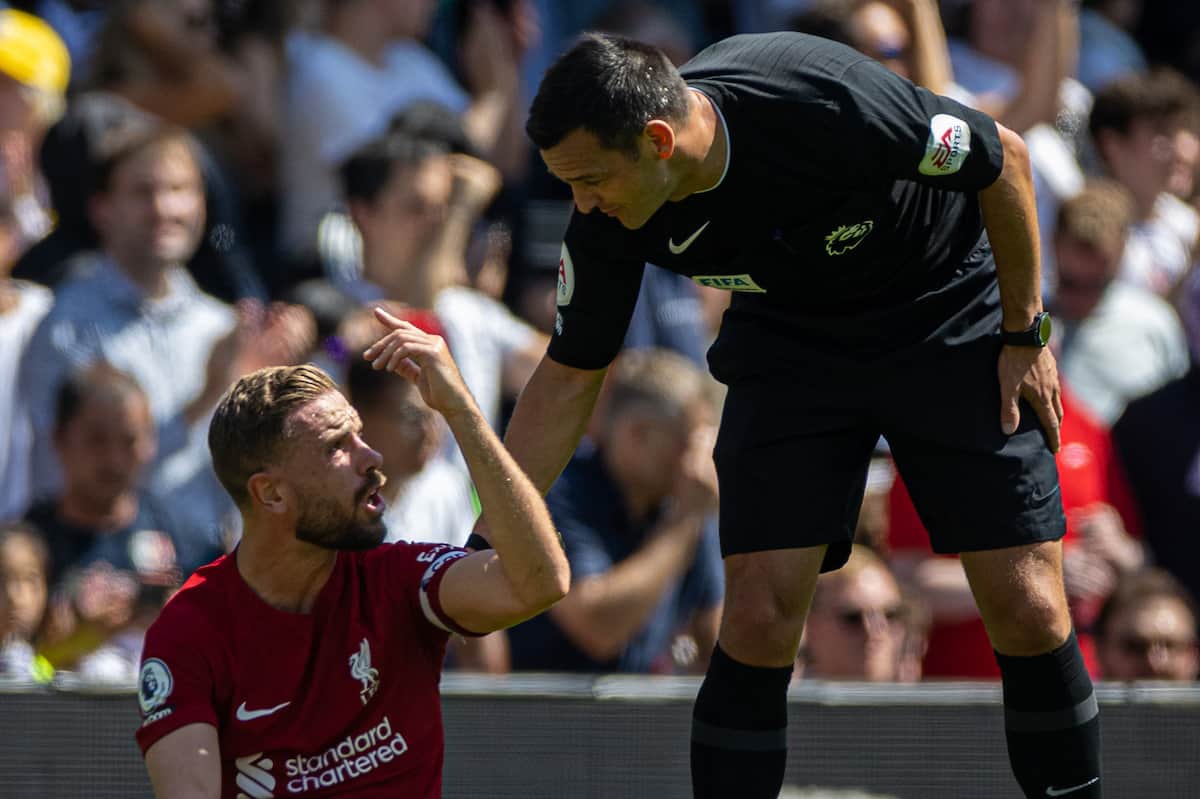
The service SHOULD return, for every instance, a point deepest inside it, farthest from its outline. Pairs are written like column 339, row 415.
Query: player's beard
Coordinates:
column 327, row 524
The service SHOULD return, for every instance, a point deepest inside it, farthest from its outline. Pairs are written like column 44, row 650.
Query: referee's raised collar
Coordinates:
column 728, row 141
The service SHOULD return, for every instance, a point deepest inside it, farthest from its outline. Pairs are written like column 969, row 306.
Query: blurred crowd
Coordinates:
column 193, row 189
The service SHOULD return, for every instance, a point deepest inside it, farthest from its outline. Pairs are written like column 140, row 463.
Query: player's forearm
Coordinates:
column 1010, row 216
column 519, row 526
column 604, row 612
column 550, row 417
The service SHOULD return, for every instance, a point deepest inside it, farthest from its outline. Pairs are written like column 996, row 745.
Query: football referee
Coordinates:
column 881, row 245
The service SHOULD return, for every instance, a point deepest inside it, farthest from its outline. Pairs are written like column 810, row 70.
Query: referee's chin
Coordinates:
column 621, row 215
column 630, row 226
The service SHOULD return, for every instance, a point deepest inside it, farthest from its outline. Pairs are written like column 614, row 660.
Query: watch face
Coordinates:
column 1044, row 327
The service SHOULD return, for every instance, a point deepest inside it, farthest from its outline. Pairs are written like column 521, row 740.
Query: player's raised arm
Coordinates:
column 527, row 571
column 186, row 764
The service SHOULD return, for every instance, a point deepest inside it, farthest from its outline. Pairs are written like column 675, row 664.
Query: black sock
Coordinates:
column 739, row 731
column 1052, row 723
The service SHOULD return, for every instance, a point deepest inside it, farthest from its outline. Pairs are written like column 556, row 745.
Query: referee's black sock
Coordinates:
column 739, row 731
column 1052, row 723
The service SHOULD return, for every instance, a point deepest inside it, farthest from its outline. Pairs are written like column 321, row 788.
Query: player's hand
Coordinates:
column 424, row 359
column 1030, row 373
column 360, row 329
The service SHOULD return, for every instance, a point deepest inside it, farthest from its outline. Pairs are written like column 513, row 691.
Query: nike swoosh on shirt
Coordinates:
column 676, row 249
column 249, row 715
column 1073, row 789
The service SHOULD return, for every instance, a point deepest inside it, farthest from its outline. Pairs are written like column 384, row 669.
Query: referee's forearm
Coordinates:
column 1010, row 216
column 551, row 416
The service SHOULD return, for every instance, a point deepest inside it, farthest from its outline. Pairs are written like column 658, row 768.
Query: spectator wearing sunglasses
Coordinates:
column 857, row 627
column 1147, row 630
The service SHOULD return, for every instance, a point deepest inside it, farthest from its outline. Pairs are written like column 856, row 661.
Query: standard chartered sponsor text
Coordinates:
column 352, row 757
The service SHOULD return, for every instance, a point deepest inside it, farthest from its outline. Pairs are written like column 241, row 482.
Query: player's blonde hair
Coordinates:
column 250, row 426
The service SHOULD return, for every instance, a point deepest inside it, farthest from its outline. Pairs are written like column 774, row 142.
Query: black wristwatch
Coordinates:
column 1036, row 335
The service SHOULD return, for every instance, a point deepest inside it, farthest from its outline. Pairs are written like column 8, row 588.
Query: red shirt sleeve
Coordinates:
column 175, row 684
column 416, row 570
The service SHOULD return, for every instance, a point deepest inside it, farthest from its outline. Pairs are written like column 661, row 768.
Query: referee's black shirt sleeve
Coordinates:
column 892, row 124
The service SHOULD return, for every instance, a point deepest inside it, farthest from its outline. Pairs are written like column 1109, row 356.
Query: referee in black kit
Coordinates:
column 881, row 245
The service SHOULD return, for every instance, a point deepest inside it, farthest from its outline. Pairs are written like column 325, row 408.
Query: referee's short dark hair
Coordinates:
column 610, row 86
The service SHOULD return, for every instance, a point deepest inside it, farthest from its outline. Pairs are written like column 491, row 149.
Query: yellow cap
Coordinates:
column 32, row 53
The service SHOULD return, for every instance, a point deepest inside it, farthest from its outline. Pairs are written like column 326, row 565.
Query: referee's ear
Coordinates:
column 661, row 136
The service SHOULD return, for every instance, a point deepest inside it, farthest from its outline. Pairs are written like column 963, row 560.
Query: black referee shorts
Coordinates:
column 793, row 451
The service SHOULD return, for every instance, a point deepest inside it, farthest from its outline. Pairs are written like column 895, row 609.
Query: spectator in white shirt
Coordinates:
column 1140, row 125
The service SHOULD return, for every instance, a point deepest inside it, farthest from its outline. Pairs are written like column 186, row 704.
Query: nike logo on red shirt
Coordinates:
column 249, row 715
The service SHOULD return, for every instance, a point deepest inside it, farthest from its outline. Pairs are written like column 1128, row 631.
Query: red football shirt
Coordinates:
column 340, row 701
column 1088, row 472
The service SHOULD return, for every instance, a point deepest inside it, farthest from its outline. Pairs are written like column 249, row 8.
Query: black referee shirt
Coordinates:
column 846, row 221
